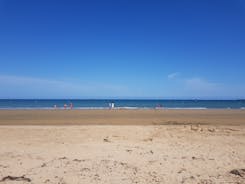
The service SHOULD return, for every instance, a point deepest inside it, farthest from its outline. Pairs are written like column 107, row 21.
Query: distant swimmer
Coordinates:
column 65, row 106
column 159, row 106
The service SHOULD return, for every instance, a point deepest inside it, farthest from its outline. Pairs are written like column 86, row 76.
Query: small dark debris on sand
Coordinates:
column 148, row 140
column 62, row 158
column 106, row 140
column 15, row 178
column 211, row 130
column 238, row 172
column 77, row 160
column 44, row 165
column 3, row 166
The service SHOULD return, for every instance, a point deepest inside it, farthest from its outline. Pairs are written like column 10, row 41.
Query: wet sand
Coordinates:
column 177, row 146
column 121, row 117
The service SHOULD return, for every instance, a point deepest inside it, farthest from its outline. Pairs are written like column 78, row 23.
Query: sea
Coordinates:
column 120, row 104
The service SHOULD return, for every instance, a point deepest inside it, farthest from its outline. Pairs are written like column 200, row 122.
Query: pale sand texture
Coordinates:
column 179, row 152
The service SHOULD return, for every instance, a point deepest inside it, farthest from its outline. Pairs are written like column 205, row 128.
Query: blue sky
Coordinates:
column 122, row 49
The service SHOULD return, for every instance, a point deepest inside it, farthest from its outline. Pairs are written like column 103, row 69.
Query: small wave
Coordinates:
column 133, row 108
column 25, row 108
column 191, row 108
column 90, row 108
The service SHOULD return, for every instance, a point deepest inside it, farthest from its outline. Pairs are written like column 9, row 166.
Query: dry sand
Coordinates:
column 178, row 146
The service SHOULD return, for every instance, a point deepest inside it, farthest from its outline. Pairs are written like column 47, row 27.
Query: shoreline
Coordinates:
column 122, row 108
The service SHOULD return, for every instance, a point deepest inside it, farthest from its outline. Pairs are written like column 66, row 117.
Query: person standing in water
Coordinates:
column 112, row 105
column 71, row 106
column 65, row 106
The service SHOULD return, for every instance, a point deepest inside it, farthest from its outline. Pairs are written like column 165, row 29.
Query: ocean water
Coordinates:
column 126, row 104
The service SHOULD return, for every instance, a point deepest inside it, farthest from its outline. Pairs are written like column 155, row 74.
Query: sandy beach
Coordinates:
column 122, row 146
column 122, row 117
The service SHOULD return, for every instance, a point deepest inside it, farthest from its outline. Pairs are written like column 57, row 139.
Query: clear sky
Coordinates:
column 122, row 49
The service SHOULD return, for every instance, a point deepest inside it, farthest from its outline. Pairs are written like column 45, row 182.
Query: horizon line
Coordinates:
column 128, row 98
